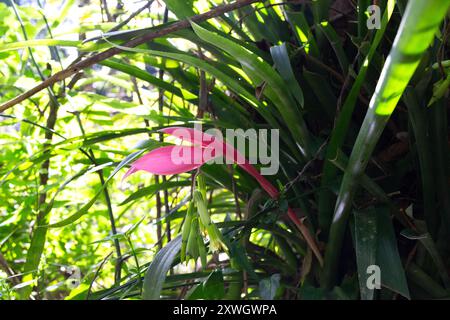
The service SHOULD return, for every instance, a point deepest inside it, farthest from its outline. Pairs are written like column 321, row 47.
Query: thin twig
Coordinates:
column 131, row 17
column 104, row 7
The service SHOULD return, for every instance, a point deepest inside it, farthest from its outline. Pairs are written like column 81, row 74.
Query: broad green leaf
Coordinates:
column 420, row 123
column 276, row 90
column 343, row 122
column 321, row 9
column 419, row 25
column 366, row 248
column 388, row 258
column 143, row 75
column 427, row 241
column 268, row 287
column 303, row 32
column 211, row 289
column 336, row 44
column 182, row 9
column 427, row 283
column 283, row 65
column 323, row 93
column 157, row 271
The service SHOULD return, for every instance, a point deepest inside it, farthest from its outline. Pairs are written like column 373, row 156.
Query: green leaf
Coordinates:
column 388, row 258
column 38, row 43
column 276, row 90
column 419, row 25
column 84, row 210
column 440, row 88
column 427, row 241
column 232, row 83
column 150, row 190
column 367, row 183
column 336, row 44
column 424, row 281
column 157, row 271
column 420, row 123
column 268, row 287
column 303, row 32
column 321, row 9
column 323, row 93
column 182, row 9
column 143, row 75
column 211, row 289
column 308, row 292
column 283, row 65
column 343, row 123
column 366, row 248
column 241, row 259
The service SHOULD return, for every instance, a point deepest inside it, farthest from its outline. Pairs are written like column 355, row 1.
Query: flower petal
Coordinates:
column 171, row 160
column 191, row 135
column 265, row 184
column 203, row 139
column 129, row 172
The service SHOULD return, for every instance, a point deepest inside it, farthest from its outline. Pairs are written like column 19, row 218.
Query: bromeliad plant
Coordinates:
column 171, row 160
column 305, row 68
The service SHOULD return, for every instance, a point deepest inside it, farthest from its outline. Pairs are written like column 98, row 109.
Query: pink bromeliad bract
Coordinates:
column 205, row 147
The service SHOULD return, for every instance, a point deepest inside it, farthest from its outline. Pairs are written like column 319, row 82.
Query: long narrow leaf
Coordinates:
column 157, row 271
column 419, row 25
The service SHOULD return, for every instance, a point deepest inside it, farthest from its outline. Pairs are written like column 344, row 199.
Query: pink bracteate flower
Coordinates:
column 205, row 147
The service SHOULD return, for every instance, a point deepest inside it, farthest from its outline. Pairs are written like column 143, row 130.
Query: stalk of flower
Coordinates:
column 201, row 184
column 205, row 222
column 201, row 250
column 192, row 244
column 215, row 237
column 201, row 139
column 186, row 230
column 207, row 147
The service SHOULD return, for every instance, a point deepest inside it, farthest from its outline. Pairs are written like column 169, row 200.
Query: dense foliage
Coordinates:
column 364, row 150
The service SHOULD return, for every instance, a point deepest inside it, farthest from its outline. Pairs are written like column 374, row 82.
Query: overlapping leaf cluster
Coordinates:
column 376, row 195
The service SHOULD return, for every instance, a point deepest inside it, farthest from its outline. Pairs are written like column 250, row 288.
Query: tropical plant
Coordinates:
column 89, row 91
